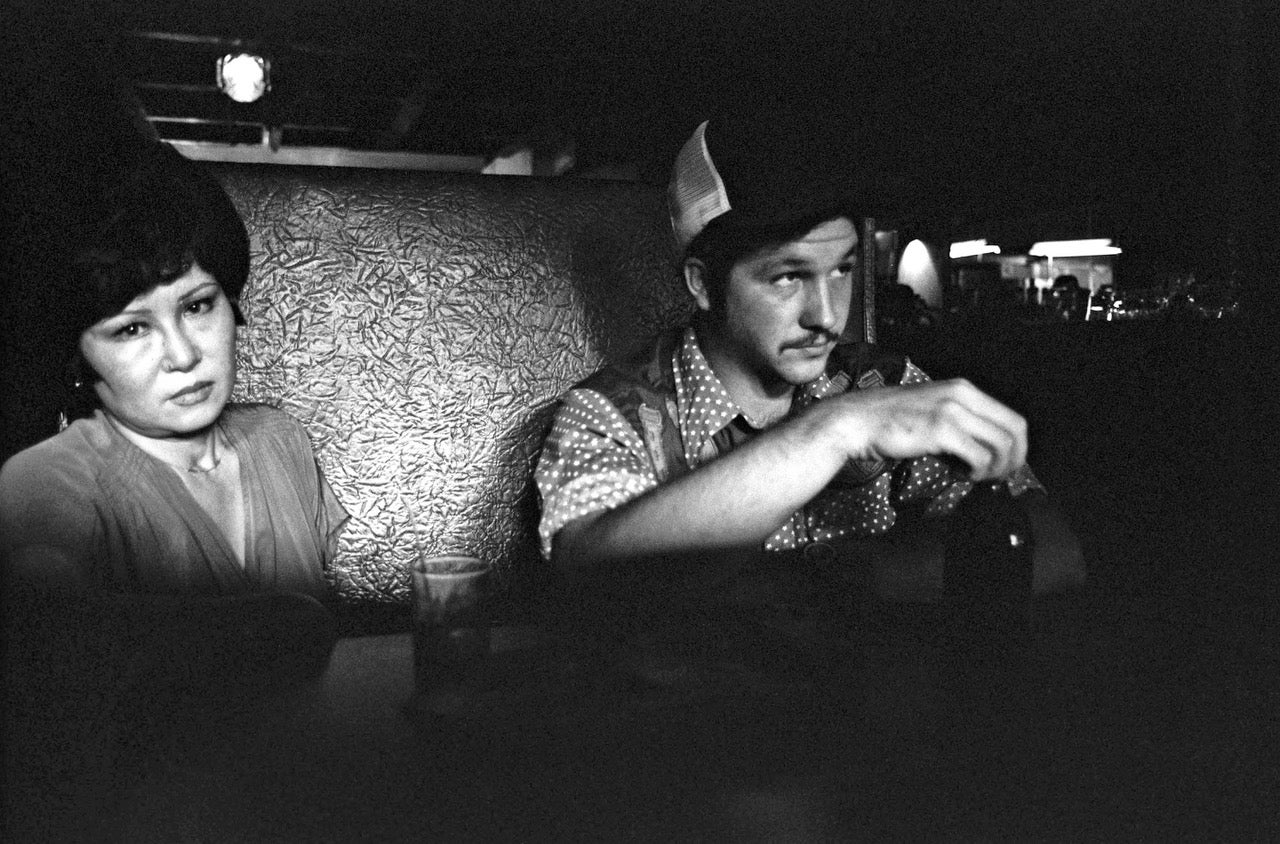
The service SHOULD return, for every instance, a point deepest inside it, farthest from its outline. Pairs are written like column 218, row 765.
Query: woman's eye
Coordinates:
column 133, row 329
column 200, row 306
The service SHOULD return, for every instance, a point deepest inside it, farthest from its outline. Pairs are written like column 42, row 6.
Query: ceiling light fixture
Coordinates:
column 244, row 77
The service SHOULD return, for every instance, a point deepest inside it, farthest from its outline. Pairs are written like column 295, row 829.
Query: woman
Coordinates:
column 167, row 546
column 165, row 488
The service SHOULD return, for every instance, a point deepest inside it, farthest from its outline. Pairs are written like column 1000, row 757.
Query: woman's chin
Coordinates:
column 199, row 419
column 173, row 423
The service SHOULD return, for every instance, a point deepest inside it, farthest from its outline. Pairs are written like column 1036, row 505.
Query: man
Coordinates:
column 752, row 426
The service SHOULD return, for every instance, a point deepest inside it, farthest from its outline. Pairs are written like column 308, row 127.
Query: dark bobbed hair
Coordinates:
column 157, row 215
column 723, row 243
column 152, row 215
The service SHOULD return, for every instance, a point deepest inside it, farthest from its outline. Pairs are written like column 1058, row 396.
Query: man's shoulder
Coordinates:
column 632, row 398
column 863, row 361
column 647, row 371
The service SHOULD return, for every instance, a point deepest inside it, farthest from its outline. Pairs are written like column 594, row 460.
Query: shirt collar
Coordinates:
column 703, row 404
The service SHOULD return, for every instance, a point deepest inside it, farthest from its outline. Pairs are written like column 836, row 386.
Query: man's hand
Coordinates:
column 938, row 418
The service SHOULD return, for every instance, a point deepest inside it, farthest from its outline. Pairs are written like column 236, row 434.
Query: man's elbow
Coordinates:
column 575, row 549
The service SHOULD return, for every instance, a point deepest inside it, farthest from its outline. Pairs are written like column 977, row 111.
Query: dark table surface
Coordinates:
column 1121, row 717
column 1143, row 707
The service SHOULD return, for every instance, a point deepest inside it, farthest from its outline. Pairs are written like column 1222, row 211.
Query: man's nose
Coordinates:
column 820, row 309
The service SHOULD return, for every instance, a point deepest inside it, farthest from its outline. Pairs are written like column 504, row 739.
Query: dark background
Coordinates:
column 1154, row 123
column 1151, row 122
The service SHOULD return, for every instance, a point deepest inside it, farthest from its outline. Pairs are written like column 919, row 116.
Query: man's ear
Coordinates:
column 695, row 278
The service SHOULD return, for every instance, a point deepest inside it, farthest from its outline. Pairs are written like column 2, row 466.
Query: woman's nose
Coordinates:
column 181, row 352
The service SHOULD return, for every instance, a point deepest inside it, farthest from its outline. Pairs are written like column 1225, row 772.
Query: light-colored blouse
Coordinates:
column 132, row 526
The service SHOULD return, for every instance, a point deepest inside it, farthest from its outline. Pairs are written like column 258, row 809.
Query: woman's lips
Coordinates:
column 194, row 394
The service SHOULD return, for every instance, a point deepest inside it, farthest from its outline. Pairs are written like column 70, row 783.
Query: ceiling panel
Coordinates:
column 450, row 77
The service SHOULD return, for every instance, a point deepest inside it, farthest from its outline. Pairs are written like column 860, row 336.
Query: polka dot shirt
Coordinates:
column 594, row 460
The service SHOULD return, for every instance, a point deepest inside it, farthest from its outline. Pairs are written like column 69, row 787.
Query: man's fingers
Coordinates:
column 996, row 412
column 951, row 417
column 988, row 435
column 992, row 448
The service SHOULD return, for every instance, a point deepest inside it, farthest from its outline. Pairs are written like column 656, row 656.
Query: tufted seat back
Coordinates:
column 422, row 326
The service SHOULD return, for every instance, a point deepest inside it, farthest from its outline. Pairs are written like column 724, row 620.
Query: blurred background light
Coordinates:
column 918, row 270
column 1074, row 248
column 973, row 248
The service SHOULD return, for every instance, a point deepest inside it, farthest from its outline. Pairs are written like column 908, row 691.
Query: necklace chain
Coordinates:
column 195, row 468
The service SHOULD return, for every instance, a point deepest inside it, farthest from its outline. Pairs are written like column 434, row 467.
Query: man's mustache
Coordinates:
column 817, row 338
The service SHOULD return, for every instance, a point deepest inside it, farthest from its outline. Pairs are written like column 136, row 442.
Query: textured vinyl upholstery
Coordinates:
column 422, row 325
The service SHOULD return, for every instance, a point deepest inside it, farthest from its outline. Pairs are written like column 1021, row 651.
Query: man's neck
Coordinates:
column 762, row 404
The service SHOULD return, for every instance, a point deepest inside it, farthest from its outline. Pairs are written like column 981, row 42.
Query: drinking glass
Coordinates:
column 450, row 622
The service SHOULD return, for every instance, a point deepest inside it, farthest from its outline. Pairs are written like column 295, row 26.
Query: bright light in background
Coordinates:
column 244, row 77
column 918, row 270
column 1074, row 248
column 973, row 248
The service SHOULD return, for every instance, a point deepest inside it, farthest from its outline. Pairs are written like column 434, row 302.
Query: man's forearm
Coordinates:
column 742, row 497
column 737, row 500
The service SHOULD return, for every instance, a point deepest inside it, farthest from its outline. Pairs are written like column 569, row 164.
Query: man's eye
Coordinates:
column 788, row 278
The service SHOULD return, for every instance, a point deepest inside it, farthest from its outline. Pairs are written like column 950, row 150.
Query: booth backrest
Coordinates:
column 422, row 326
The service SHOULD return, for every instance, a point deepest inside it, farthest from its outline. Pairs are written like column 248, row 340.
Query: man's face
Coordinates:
column 786, row 306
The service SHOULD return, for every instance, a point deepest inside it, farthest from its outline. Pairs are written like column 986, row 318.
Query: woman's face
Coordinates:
column 166, row 362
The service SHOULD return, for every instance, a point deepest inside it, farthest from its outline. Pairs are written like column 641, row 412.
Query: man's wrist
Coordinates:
column 826, row 427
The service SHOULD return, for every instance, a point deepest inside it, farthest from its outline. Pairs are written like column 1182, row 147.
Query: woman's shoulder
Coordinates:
column 78, row 453
column 256, row 421
column 255, row 415
column 50, row 491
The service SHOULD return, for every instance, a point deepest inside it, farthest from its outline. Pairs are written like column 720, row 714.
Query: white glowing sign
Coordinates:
column 973, row 248
column 1075, row 248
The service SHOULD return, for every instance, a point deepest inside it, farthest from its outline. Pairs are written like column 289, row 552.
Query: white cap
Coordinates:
column 696, row 194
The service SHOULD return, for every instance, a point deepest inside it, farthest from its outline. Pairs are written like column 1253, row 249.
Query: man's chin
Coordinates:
column 798, row 373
